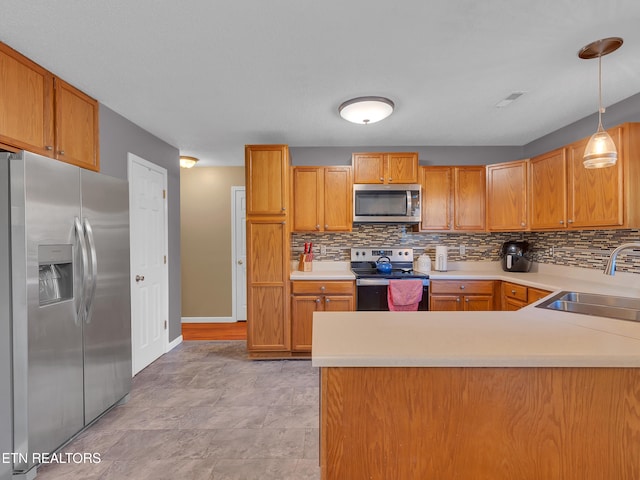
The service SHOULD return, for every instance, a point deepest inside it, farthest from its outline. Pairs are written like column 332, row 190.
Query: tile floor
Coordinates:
column 205, row 412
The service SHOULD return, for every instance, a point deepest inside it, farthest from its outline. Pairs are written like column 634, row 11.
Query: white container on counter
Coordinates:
column 424, row 263
column 441, row 258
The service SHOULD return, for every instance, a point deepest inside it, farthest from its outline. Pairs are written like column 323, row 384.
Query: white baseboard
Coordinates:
column 177, row 341
column 208, row 320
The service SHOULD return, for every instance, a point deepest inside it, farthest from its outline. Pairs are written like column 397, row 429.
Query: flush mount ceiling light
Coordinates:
column 600, row 151
column 187, row 162
column 365, row 110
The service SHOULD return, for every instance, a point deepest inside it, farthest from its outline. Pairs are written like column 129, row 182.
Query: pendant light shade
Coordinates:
column 365, row 110
column 600, row 151
column 187, row 162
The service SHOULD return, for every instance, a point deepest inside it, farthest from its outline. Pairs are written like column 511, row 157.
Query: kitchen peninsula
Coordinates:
column 532, row 394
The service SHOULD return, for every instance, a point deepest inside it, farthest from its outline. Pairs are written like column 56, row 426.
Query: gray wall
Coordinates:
column 119, row 136
column 426, row 155
column 628, row 110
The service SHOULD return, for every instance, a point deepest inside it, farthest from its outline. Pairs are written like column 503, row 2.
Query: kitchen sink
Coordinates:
column 622, row 308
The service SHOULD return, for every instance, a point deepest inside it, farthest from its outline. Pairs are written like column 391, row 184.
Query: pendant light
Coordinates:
column 366, row 110
column 187, row 162
column 600, row 151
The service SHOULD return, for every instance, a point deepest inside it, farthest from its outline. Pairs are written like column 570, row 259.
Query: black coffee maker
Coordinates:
column 516, row 256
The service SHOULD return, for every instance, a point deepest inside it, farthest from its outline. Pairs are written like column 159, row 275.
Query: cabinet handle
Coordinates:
column 60, row 152
column 466, row 300
column 390, row 179
column 283, row 209
column 569, row 221
column 458, row 299
column 522, row 224
column 317, row 300
column 461, row 287
column 48, row 147
column 326, row 300
column 381, row 179
column 317, row 227
column 284, row 223
column 561, row 222
column 326, row 227
column 513, row 291
column 322, row 288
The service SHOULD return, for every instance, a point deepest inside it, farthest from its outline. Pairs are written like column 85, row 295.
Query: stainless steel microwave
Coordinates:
column 398, row 203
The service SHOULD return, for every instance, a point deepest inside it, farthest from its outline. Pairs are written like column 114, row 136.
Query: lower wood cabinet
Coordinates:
column 463, row 295
column 308, row 296
column 516, row 296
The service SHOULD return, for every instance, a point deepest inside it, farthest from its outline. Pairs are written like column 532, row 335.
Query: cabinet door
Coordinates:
column 268, row 326
column 445, row 303
column 535, row 294
column 548, row 190
column 595, row 195
column 477, row 303
column 401, row 168
column 308, row 192
column 507, row 196
column 302, row 308
column 76, row 127
column 338, row 303
column 266, row 170
column 26, row 103
column 436, row 198
column 511, row 304
column 338, row 199
column 469, row 198
column 368, row 168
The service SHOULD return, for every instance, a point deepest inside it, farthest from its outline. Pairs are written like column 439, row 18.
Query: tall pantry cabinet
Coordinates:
column 268, row 229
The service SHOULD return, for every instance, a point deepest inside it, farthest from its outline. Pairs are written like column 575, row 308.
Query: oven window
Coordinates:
column 373, row 298
column 381, row 203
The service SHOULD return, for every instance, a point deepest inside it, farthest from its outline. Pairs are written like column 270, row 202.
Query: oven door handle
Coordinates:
column 365, row 282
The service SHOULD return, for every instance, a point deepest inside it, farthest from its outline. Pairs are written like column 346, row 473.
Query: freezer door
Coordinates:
column 47, row 334
column 107, row 329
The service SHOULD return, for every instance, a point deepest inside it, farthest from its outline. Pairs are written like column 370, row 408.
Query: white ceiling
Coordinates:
column 209, row 76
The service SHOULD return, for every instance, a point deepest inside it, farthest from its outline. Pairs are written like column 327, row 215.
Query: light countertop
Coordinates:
column 529, row 337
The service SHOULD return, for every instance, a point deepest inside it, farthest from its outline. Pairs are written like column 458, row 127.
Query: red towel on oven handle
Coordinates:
column 404, row 295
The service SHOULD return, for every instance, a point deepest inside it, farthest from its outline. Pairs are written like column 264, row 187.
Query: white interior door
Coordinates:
column 149, row 296
column 240, row 252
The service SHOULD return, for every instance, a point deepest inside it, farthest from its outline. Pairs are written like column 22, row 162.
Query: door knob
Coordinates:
column 139, row 278
column 240, row 262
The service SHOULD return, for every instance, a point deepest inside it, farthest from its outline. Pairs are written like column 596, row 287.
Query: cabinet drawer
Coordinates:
column 535, row 294
column 462, row 286
column 513, row 290
column 322, row 287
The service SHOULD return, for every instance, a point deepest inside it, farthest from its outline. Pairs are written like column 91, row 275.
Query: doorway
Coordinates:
column 239, row 252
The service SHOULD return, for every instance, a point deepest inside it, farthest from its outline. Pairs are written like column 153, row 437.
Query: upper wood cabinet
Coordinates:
column 453, row 198
column 43, row 114
column 595, row 195
column 548, row 190
column 26, row 103
column 565, row 195
column 322, row 199
column 266, row 171
column 507, row 196
column 385, row 167
column 76, row 127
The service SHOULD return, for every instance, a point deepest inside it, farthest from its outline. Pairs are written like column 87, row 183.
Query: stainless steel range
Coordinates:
column 372, row 283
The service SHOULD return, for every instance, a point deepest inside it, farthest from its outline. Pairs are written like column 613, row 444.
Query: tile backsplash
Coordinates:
column 587, row 248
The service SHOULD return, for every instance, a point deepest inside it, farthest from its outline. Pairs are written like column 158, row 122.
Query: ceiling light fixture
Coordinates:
column 600, row 150
column 366, row 110
column 187, row 162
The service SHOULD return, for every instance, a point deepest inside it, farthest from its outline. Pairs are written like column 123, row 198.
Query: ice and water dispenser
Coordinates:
column 55, row 273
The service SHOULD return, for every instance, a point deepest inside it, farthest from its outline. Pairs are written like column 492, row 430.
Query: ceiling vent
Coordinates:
column 510, row 99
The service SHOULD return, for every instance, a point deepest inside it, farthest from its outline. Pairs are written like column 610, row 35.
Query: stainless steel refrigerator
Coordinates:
column 70, row 298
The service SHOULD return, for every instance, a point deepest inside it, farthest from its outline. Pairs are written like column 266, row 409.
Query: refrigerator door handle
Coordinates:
column 85, row 268
column 94, row 269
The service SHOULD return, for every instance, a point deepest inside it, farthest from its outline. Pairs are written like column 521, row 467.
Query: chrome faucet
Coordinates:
column 610, row 269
